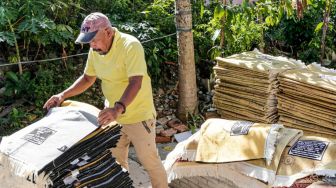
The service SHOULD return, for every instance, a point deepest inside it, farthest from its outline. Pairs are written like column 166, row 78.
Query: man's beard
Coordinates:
column 99, row 51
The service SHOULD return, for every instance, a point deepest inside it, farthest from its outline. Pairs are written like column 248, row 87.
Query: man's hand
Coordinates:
column 109, row 115
column 55, row 100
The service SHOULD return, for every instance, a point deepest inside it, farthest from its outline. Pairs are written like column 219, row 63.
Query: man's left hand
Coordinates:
column 108, row 115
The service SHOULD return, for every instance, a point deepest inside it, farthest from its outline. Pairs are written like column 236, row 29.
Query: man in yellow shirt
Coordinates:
column 118, row 60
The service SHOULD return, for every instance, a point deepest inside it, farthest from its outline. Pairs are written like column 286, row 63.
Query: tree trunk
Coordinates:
column 325, row 29
column 222, row 34
column 187, row 74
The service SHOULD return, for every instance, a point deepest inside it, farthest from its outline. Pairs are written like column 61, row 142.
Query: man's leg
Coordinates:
column 142, row 136
column 120, row 152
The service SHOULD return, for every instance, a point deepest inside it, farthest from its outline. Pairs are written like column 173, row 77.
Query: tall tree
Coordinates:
column 187, row 74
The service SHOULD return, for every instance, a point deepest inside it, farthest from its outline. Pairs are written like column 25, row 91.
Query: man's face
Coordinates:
column 102, row 42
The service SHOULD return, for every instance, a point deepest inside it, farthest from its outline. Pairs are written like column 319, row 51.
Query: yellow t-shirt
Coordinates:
column 125, row 59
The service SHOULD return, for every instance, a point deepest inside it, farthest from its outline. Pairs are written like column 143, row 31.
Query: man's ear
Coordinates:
column 109, row 31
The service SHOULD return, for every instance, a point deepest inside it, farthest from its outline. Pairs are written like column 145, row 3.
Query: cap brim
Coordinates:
column 85, row 37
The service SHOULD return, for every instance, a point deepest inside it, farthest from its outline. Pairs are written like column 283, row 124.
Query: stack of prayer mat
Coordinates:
column 64, row 149
column 89, row 163
column 212, row 153
column 307, row 100
column 247, row 84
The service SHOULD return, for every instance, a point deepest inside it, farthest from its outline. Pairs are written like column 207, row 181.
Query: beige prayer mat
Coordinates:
column 186, row 151
column 309, row 155
column 257, row 61
column 227, row 141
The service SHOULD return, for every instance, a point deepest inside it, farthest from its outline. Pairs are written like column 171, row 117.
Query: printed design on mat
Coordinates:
column 311, row 149
column 241, row 128
column 63, row 148
column 39, row 135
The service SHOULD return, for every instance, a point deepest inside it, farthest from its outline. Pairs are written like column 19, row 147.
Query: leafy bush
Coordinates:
column 18, row 86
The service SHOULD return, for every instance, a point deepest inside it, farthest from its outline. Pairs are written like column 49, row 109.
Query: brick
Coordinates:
column 162, row 121
column 168, row 132
column 181, row 128
column 174, row 123
column 162, row 139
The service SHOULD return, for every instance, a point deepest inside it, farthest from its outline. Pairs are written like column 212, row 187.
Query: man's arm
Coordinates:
column 78, row 87
column 110, row 114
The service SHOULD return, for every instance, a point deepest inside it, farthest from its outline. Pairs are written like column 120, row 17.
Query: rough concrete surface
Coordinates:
column 137, row 172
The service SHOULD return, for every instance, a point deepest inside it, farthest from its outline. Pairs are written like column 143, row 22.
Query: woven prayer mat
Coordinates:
column 308, row 156
column 186, row 151
column 49, row 138
column 312, row 78
column 242, row 139
column 257, row 61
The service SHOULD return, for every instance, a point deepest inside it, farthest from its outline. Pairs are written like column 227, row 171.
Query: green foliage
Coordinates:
column 221, row 30
column 38, row 29
column 159, row 22
column 18, row 86
column 16, row 117
column 45, row 85
column 302, row 38
column 14, row 121
column 194, row 122
column 34, row 24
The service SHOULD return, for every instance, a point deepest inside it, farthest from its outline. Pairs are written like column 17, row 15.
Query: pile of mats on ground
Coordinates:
column 307, row 100
column 65, row 149
column 246, row 85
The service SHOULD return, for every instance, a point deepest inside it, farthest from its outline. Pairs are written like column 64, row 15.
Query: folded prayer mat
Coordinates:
column 186, row 152
column 307, row 156
column 34, row 146
column 258, row 168
column 227, row 141
column 307, row 100
column 247, row 85
column 64, row 149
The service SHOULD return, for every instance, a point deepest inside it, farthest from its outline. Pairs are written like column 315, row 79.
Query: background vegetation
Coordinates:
column 38, row 29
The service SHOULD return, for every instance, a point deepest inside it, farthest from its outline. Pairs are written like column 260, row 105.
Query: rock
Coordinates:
column 162, row 139
column 2, row 90
column 157, row 101
column 168, row 133
column 166, row 112
column 163, row 121
column 171, row 116
column 173, row 104
column 161, row 92
column 158, row 129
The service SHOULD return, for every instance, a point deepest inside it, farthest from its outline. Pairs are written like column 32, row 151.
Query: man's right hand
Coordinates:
column 55, row 100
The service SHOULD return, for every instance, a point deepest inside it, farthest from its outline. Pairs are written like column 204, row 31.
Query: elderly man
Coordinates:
column 118, row 60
